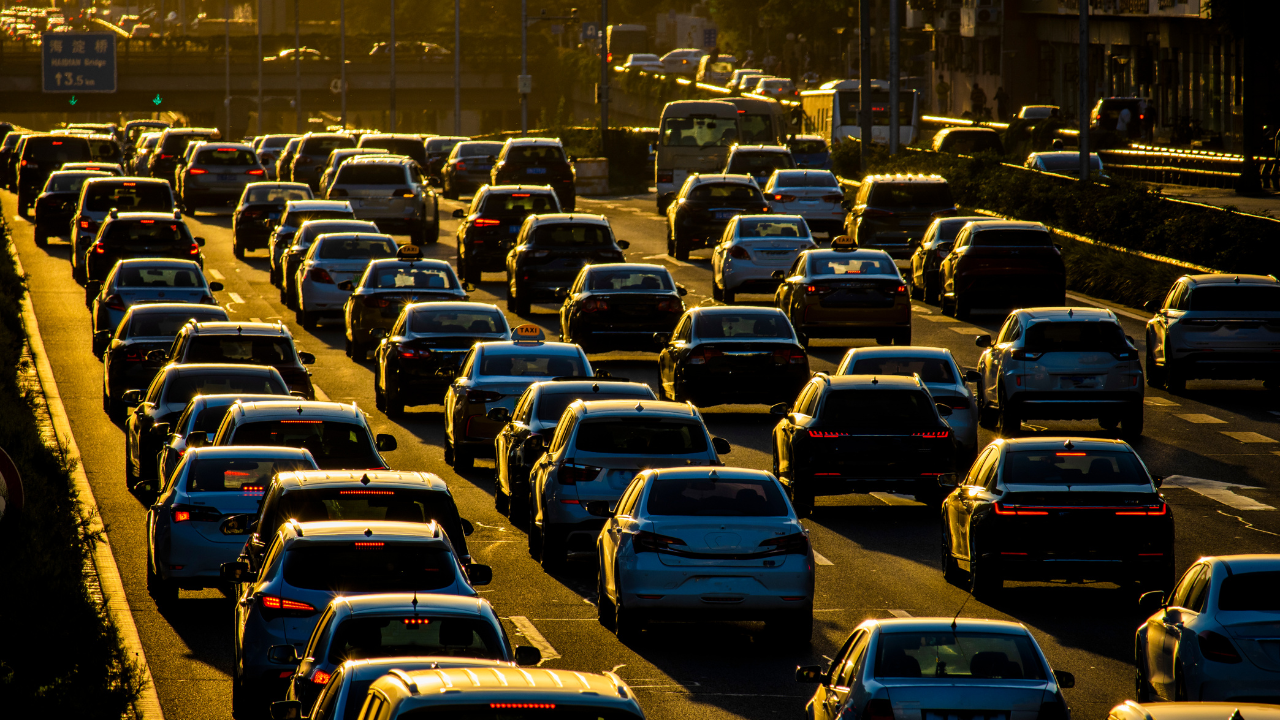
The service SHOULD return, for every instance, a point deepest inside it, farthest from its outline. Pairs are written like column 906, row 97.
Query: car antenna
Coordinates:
column 953, row 619
column 415, row 603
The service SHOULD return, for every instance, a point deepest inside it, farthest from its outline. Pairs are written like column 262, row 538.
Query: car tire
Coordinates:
column 627, row 623
column 950, row 568
column 985, row 581
column 463, row 459
column 605, row 611
column 916, row 292
column 41, row 237
column 1142, row 688
column 1009, row 422
column 961, row 308
column 449, row 193
column 930, row 290
column 1155, row 373
column 681, row 247
column 78, row 274
column 727, row 295
column 359, row 351
column 163, row 592
column 470, row 274
column 380, row 402
column 902, row 337
column 129, row 476
column 516, row 302
column 987, row 415
column 1131, row 423
column 501, row 501
column 284, row 295
column 946, row 306
column 391, row 399
column 533, row 532
column 1174, row 379
column 237, row 249
column 307, row 320
column 554, row 555
column 273, row 275
column 802, row 500
column 716, row 292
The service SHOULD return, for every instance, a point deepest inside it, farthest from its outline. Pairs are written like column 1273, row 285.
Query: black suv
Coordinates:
column 893, row 212
column 704, row 206
column 243, row 343
column 313, row 151
column 536, row 160
column 551, row 250
column 143, row 234
column 490, row 226
column 172, row 145
column 38, row 156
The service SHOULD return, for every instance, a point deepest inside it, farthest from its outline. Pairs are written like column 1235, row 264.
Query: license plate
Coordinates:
column 226, row 178
column 513, row 229
column 729, row 215
column 1079, row 381
column 536, row 171
column 775, row 252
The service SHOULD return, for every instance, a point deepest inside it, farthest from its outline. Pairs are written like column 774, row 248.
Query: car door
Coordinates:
column 786, row 289
column 784, row 432
column 835, row 690
column 991, row 365
column 958, row 512
column 671, row 356
column 972, row 498
column 1173, row 307
column 618, row 531
column 1164, row 631
column 508, row 441
column 946, row 270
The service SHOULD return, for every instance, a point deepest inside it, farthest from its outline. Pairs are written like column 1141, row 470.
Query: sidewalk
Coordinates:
column 1265, row 205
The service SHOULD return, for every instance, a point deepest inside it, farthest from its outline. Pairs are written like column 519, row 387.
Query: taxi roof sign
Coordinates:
column 844, row 242
column 528, row 334
column 409, row 252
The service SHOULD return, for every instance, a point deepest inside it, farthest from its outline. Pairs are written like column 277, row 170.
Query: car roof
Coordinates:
column 519, row 188
column 634, row 407
column 229, row 145
column 277, row 185
column 318, row 205
column 571, row 387
column 1223, row 279
column 855, row 252
column 409, row 479
column 159, row 262
column 566, row 687
column 389, row 136
column 287, row 408
column 229, row 368
column 908, row 178
column 380, row 158
column 125, row 178
column 534, row 141
column 1071, row 313
column 378, row 262
column 1196, row 710
column 629, row 266
column 168, row 217
column 405, row 603
column 374, row 668
column 724, row 473
column 353, row 235
column 919, row 351
column 360, row 529
column 994, row 224
column 772, row 216
column 955, row 130
column 733, row 309
column 247, row 451
column 808, row 137
column 1057, row 443
column 452, row 305
column 944, row 624
column 723, row 177
column 170, row 307
column 1251, row 562
column 873, row 382
column 576, row 218
column 231, row 327
column 561, row 348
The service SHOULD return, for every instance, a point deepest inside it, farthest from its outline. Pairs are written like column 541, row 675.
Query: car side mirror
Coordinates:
column 943, row 409
column 479, row 574
column 433, row 181
column 385, row 443
column 286, row 710
column 972, row 376
column 237, row 524
column 1158, row 480
column 200, row 241
column 810, row 674
column 215, row 286
column 157, row 356
column 536, row 443
column 950, row 480
column 561, row 293
column 624, row 244
column 780, row 410
column 599, row 508
column 722, row 446
column 234, row 572
column 459, row 213
column 982, row 341
column 132, row 397
column 499, row 414
column 298, row 394
column 92, row 289
column 1064, row 678
column 378, row 333
column 306, row 358
column 778, row 274
column 161, row 429
column 346, row 285
column 284, row 654
column 197, row 438
column 1151, row 305
column 1150, row 603
column 528, row 655
column 661, row 339
column 467, row 527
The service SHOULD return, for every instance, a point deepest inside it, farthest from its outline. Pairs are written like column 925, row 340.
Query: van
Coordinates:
column 694, row 137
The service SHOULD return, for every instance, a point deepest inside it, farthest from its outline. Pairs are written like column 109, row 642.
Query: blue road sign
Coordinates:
column 79, row 62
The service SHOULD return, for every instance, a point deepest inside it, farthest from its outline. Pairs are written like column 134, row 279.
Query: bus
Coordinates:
column 695, row 137
column 761, row 121
column 832, row 112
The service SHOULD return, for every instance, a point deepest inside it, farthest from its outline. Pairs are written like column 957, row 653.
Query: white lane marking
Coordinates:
column 1218, row 490
column 668, row 258
column 900, row 613
column 818, row 558
column 921, row 309
column 526, row 628
column 255, row 319
column 894, row 498
column 1160, row 402
column 940, row 319
column 1118, row 311
column 1248, row 437
column 321, row 395
column 217, row 275
column 1201, row 419
column 967, row 330
column 235, row 298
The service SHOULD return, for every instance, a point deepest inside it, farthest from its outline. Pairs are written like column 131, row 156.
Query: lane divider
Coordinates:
column 526, row 628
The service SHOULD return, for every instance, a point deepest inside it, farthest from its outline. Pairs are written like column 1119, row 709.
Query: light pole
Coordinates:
column 226, row 47
column 457, row 67
column 259, row 24
column 893, row 77
column 393, row 65
column 342, row 57
column 522, row 83
column 864, row 81
column 297, row 71
column 1084, row 91
column 604, row 76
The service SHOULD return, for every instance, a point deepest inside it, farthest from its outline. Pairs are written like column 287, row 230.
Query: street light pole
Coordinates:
column 342, row 57
column 604, row 76
column 393, row 65
column 226, row 47
column 864, row 81
column 297, row 71
column 524, row 67
column 259, row 24
column 1084, row 91
column 457, row 67
column 893, row 77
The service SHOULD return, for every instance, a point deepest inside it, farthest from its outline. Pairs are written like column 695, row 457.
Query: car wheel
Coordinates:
column 801, row 498
column 274, row 277
column 986, row 414
column 78, row 274
column 627, row 623
column 950, row 568
column 605, row 612
column 930, row 290
column 41, row 237
column 306, row 319
column 681, row 247
column 1174, row 379
column 1179, row 685
column 728, row 296
column 916, row 292
column 1155, row 373
column 522, row 304
column 501, row 501
column 1142, row 688
column 671, row 242
column 130, row 477
column 380, row 399
column 553, row 555
column 985, row 581
column 237, row 249
column 391, row 398
column 359, row 351
column 449, row 193
column 716, row 292
column 463, row 458
column 534, row 534
column 163, row 592
column 961, row 307
column 1009, row 422
column 470, row 274
column 947, row 307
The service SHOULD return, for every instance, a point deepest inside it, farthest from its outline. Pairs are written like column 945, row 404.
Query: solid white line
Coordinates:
column 321, row 395
column 900, row 613
column 526, row 628
column 217, row 275
column 1118, row 311
column 1217, row 490
column 235, row 298
column 818, row 558
column 668, row 258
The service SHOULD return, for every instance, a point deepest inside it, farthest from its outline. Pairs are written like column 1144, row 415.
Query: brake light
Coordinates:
column 670, row 305
column 739, row 253
column 320, row 677
column 1217, row 648
column 483, row 396
column 376, row 302
column 99, row 248
column 165, row 157
column 84, row 224
column 666, row 177
column 195, row 249
column 901, row 289
column 363, row 545
column 115, row 302
column 487, row 222
column 134, row 356
column 826, row 434
column 818, row 289
column 1006, row 510
column 933, row 434
column 1157, row 510
column 460, row 166
column 701, row 355
column 521, row 195
column 271, row 602
column 572, row 474
column 876, row 212
column 779, row 197
column 645, row 541
column 788, row 356
column 198, row 171
column 181, row 516
column 833, row 198
column 258, row 171
column 793, row 544
column 320, row 275
column 521, row 706
column 595, row 304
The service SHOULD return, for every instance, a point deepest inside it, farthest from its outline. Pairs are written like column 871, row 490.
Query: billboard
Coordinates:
column 79, row 62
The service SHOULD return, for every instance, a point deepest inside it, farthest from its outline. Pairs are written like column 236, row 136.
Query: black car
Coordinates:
column 696, row 218
column 536, row 160
column 56, row 205
column 312, row 153
column 409, row 146
column 9, row 159
column 620, row 306
column 1047, row 509
column 260, row 207
column 438, row 149
column 861, row 434
column 421, row 355
column 171, row 146
column 389, row 284
column 296, row 252
column 130, row 235
column 128, row 362
column 467, row 167
column 892, row 212
column 731, row 355
column 550, row 251
column 489, row 227
column 38, row 156
column 244, row 343
column 928, row 255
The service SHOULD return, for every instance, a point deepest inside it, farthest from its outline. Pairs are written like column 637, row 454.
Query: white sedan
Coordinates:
column 332, row 259
column 643, row 61
column 704, row 543
column 752, row 249
column 814, row 195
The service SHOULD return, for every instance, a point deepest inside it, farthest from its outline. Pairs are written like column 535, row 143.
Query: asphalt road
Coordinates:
column 878, row 554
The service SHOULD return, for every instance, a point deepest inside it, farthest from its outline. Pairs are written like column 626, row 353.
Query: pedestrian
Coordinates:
column 978, row 101
column 1002, row 104
column 943, row 89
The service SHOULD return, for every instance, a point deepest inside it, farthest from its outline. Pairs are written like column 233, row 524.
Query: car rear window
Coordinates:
column 572, row 235
column 182, row 388
column 325, row 145
column 217, row 474
column 370, row 566
column 886, row 410
column 410, row 278
column 57, row 150
column 1235, row 298
column 1250, row 592
column 356, row 248
column 412, row 634
column 957, row 655
column 278, row 195
column 370, row 174
column 551, row 405
column 1011, row 238
column 274, row 141
column 711, row 326
column 930, row 370
column 530, row 364
column 474, row 149
column 438, row 145
column 458, row 322
column 641, row 436
column 751, row 162
column 297, row 217
column 1073, row 467
column 629, row 280
column 333, row 443
column 806, row 179
column 910, row 195
column 535, row 154
column 176, row 144
column 837, row 264
column 146, row 232
column 67, row 182
column 1075, row 337
column 105, row 149
column 128, row 196
column 167, row 277
column 712, row 497
column 520, row 204
column 726, row 192
column 255, row 350
column 362, row 503
column 154, row 324
column 226, row 156
column 397, row 146
column 762, row 227
column 808, row 147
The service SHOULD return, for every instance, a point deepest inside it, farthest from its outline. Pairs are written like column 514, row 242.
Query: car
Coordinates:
column 537, row 413
column 549, row 252
column 683, row 61
column 284, row 163
column 810, row 152
column 203, row 414
column 410, row 146
column 1038, row 112
column 269, row 150
column 334, row 258
column 127, row 361
column 245, row 343
column 467, row 167
column 739, row 75
column 612, row 306
column 340, row 156
column 1061, row 363
column 1209, row 637
column 186, row 546
column 777, row 88
column 928, row 255
column 312, row 153
column 1125, row 117
column 451, row 628
column 420, row 356
column 751, row 83
column 643, row 61
column 997, row 263
column 758, row 161
column 540, row 160
column 488, row 228
column 705, row 204
column 99, row 196
column 814, row 195
column 153, row 410
column 438, row 149
column 1215, row 326
column 337, row 435
column 1109, row 520
column 133, row 132
column 180, row 166
column 112, row 169
column 303, row 54
column 731, row 355
column 391, row 192
column 297, row 212
column 385, row 288
column 55, row 205
column 172, row 145
column 106, row 149
column 218, row 173
column 860, row 434
column 324, row 560
column 411, row 50
column 598, row 447
column 9, row 159
column 37, row 156
column 821, row 300
column 139, row 163
column 138, row 234
column 1064, row 163
column 968, row 141
column 991, row 664
column 139, row 281
column 495, row 374
column 752, row 249
column 260, row 208
column 889, row 212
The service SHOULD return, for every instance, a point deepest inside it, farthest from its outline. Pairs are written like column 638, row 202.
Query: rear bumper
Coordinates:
column 854, row 322
column 916, row 483
column 778, row 383
column 745, row 276
column 1115, row 567
column 719, row 593
column 1237, row 365
column 1076, row 405
column 323, row 298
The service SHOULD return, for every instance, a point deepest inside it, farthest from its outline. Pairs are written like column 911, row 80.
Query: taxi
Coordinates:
column 495, row 375
column 848, row 292
column 386, row 286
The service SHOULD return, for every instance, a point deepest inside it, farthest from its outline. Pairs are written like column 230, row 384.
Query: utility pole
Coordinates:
column 342, row 57
column 393, row 65
column 524, row 68
column 1084, row 91
column 259, row 24
column 297, row 71
column 226, row 47
column 894, row 32
column 604, row 77
column 864, row 80
column 457, row 67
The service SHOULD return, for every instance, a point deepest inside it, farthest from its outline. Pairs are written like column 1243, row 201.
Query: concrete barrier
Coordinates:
column 592, row 176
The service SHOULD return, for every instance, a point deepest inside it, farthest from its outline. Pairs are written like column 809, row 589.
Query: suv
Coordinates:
column 1061, row 363
column 540, row 160
column 338, row 436
column 172, row 145
column 758, row 161
column 410, row 146
column 312, row 153
column 261, row 205
column 704, row 206
column 489, row 227
column 100, row 196
column 387, row 286
column 56, row 204
column 549, row 252
column 468, row 167
column 335, row 161
column 892, row 212
column 1001, row 262
column 438, row 148
column 1215, row 326
column 38, row 156
column 391, row 192
column 218, row 172
column 244, row 343
column 138, row 235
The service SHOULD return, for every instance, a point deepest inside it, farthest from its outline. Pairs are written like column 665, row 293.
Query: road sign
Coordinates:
column 79, row 62
column 590, row 31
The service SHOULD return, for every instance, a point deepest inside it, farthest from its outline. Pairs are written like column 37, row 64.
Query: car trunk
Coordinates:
column 880, row 455
column 1011, row 260
column 718, row 542
column 635, row 309
column 1257, row 634
column 1235, row 330
column 445, row 352
column 966, row 699
column 880, row 293
column 1050, row 521
column 779, row 252
column 1097, row 370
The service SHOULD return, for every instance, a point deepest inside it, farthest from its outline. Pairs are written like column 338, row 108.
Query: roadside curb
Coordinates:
column 147, row 706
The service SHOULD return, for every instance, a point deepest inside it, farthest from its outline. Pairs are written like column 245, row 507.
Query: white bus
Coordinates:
column 695, row 138
column 832, row 112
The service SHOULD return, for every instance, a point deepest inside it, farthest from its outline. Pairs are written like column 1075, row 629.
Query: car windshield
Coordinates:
column 535, row 154
column 699, row 132
column 334, row 444
column 356, row 248
column 606, row 280
column 746, row 325
column 766, row 227
column 754, row 162
column 1075, row 337
column 484, row 148
column 398, row 277
column 1235, row 298
column 930, row 370
column 1073, row 467
column 910, row 195
column 255, row 350
column 1000, row 237
column 551, row 405
column 838, row 264
column 808, row 147
column 521, row 362
column 146, row 232
column 1064, row 163
column 167, row 324
column 520, row 204
column 957, row 655
column 133, row 276
column 413, row 634
column 805, row 179
column 225, row 156
column 278, row 196
column 1250, row 592
column 572, row 235
column 373, row 566
column 721, row 192
column 128, row 197
column 185, row 386
column 641, row 436
column 457, row 322
column 371, row 174
column 218, row 474
column 711, row 497
column 883, row 410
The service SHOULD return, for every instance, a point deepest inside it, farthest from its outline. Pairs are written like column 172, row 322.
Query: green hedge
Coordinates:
column 59, row 657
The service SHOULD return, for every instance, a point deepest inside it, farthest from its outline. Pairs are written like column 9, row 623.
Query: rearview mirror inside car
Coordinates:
column 479, row 574
column 346, row 285
column 197, row 438
column 982, row 341
column 306, row 358
column 810, row 674
column 599, row 508
column 528, row 655
column 459, row 213
column 721, row 446
column 237, row 524
column 385, row 443
column 283, row 654
column 215, row 286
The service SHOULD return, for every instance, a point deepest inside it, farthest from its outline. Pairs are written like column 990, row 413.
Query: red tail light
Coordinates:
column 739, row 253
column 702, row 354
column 594, row 304
column 571, row 474
column 793, row 544
column 115, row 302
column 165, row 157
column 788, row 356
column 666, row 177
column 1161, row 509
column 1006, row 510
column 376, row 302
column 933, row 434
column 460, row 166
column 134, row 356
column 271, row 602
column 779, row 197
column 320, row 677
column 646, row 541
column 833, row 198
column 483, row 396
column 198, row 171
column 487, row 222
column 252, row 213
column 195, row 249
column 84, row 224
column 1024, row 355
column 320, row 275
column 670, row 305
column 409, row 352
column 99, row 248
column 1217, row 648
column 255, row 171
column 181, row 516
column 901, row 289
column 818, row 289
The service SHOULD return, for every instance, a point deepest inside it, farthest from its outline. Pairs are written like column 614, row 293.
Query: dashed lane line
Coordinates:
column 255, row 319
column 940, row 319
column 818, row 558
column 217, row 275
column 1201, row 419
column 967, row 330
column 1248, row 437
column 321, row 395
column 922, row 310
column 668, row 258
column 1159, row 402
column 526, row 628
column 889, row 498
column 235, row 298
column 900, row 613
column 1223, row 492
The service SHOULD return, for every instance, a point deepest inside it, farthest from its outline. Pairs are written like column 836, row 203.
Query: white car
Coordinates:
column 752, row 249
column 814, row 195
column 332, row 259
column 777, row 88
column 1215, row 636
column 1130, row 710
column 683, row 61
column 937, row 368
column 643, row 61
column 712, row 543
column 735, row 80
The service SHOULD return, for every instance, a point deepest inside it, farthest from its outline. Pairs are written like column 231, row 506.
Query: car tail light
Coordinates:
column 572, row 474
column 194, row 250
column 788, row 356
column 739, row 253
column 320, row 275
column 412, row 352
column 645, row 541
column 460, row 166
column 375, row 301
column 181, row 515
column 1217, row 648
column 483, row 396
column 197, row 171
column 666, row 177
column 1024, row 355
column 1157, row 510
column 99, row 248
column 833, row 198
column 779, row 197
column 670, row 305
column 1002, row 509
column 955, row 403
column 901, row 290
column 595, row 304
column 85, row 224
column 876, row 212
column 933, row 434
column 115, row 302
column 255, row 171
column 166, row 157
column 135, row 356
column 878, row 710
column 293, row 607
column 402, row 193
column 487, row 222
column 818, row 289
column 320, row 677
column 701, row 355
column 952, row 212
column 793, row 544
column 188, row 513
